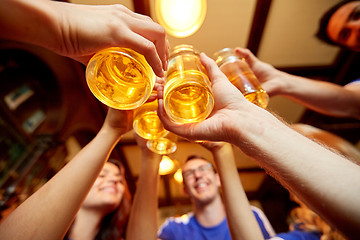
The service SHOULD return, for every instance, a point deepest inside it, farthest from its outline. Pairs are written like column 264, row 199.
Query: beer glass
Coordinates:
column 241, row 76
column 147, row 125
column 146, row 122
column 187, row 91
column 120, row 78
column 163, row 145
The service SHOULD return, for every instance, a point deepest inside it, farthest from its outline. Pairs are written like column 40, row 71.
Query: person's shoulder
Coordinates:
column 356, row 83
column 257, row 211
column 263, row 221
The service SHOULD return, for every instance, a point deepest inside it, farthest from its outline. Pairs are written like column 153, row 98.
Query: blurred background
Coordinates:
column 47, row 112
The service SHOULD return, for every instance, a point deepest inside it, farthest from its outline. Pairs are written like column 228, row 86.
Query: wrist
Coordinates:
column 220, row 148
column 224, row 152
column 288, row 83
column 111, row 132
column 60, row 26
column 254, row 130
column 243, row 120
column 150, row 160
column 32, row 22
column 46, row 15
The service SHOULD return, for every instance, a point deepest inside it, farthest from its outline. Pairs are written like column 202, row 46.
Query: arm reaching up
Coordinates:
column 78, row 31
column 48, row 213
column 319, row 177
column 143, row 217
column 324, row 97
column 240, row 218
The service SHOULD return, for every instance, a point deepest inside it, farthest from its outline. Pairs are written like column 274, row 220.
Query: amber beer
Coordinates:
column 147, row 125
column 241, row 76
column 187, row 91
column 146, row 122
column 120, row 78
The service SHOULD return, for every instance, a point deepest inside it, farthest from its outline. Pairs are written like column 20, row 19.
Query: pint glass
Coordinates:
column 187, row 91
column 241, row 76
column 120, row 78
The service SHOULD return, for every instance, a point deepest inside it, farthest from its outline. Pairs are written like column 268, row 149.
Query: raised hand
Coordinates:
column 270, row 78
column 118, row 121
column 79, row 31
column 229, row 106
column 88, row 29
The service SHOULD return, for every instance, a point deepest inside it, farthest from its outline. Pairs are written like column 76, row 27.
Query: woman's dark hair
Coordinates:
column 113, row 225
column 324, row 21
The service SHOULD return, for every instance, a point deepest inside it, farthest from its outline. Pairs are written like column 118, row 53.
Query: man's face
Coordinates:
column 344, row 26
column 200, row 181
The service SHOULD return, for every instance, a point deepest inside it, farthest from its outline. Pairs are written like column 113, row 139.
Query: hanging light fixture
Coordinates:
column 180, row 18
column 178, row 176
column 167, row 165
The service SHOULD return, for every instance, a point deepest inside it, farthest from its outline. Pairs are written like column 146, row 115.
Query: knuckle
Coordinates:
column 147, row 18
column 161, row 31
column 149, row 47
column 118, row 7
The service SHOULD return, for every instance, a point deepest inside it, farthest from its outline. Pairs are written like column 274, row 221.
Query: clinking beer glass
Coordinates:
column 241, row 76
column 187, row 91
column 146, row 122
column 120, row 78
column 147, row 125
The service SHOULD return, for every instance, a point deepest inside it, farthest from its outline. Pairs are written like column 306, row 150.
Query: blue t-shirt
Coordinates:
column 187, row 227
column 297, row 235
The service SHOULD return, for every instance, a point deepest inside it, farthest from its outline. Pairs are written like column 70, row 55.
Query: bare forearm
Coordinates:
column 143, row 217
column 241, row 220
column 49, row 212
column 318, row 176
column 324, row 97
column 30, row 22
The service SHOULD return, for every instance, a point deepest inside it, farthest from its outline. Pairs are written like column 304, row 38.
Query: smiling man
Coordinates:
column 208, row 219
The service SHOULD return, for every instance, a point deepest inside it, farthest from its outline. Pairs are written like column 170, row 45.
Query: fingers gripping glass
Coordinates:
column 201, row 169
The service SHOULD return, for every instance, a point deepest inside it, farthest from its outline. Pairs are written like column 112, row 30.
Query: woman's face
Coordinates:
column 107, row 191
column 344, row 26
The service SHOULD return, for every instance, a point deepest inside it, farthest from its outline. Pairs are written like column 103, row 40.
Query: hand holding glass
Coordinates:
column 241, row 76
column 187, row 91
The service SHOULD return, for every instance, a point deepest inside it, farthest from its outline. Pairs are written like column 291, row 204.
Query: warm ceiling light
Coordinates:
column 167, row 165
column 178, row 176
column 180, row 18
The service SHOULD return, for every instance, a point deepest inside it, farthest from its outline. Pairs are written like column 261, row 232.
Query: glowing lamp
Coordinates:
column 180, row 18
column 167, row 165
column 178, row 176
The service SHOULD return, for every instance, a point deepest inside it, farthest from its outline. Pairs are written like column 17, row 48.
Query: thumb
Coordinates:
column 215, row 74
column 246, row 54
